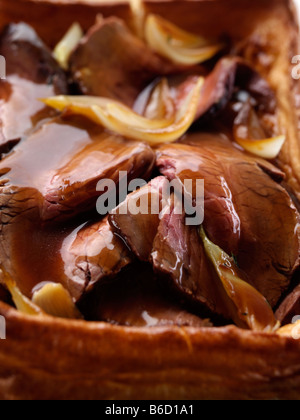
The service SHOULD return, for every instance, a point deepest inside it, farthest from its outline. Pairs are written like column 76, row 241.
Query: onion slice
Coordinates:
column 23, row 304
column 252, row 308
column 120, row 119
column 89, row 106
column 161, row 105
column 55, row 300
column 177, row 45
column 290, row 330
column 266, row 148
column 138, row 16
column 250, row 135
column 66, row 46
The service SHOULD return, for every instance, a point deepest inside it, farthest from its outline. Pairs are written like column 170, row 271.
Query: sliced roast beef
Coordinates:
column 78, row 258
column 90, row 254
column 34, row 254
column 27, row 56
column 63, row 162
column 136, row 299
column 111, row 62
column 32, row 73
column 47, row 180
column 176, row 249
column 156, row 233
column 247, row 213
column 178, row 255
column 138, row 217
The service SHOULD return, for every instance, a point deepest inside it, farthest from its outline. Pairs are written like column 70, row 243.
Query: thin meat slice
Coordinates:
column 63, row 162
column 47, row 182
column 32, row 73
column 175, row 250
column 111, row 62
column 77, row 257
column 92, row 254
column 138, row 217
column 178, row 255
column 247, row 213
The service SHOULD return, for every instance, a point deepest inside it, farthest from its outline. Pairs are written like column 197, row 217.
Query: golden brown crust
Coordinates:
column 51, row 358
column 47, row 358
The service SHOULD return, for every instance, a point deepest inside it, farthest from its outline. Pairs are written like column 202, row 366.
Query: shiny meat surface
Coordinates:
column 63, row 162
column 90, row 254
column 145, row 268
column 47, row 182
column 247, row 213
column 178, row 256
column 174, row 249
column 139, row 230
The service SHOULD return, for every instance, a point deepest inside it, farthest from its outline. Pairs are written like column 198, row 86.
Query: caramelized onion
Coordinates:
column 139, row 15
column 252, row 308
column 290, row 330
column 118, row 118
column 266, row 148
column 249, row 134
column 55, row 300
column 161, row 104
column 177, row 45
column 23, row 304
column 65, row 47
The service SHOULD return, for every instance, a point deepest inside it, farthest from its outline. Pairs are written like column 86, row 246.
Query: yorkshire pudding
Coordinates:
column 158, row 322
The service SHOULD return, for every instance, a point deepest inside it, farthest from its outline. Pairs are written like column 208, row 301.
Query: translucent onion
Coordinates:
column 249, row 134
column 177, row 45
column 139, row 15
column 252, row 308
column 122, row 120
column 88, row 106
column 290, row 330
column 79, row 105
column 65, row 47
column 23, row 304
column 55, row 300
column 266, row 148
column 161, row 104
